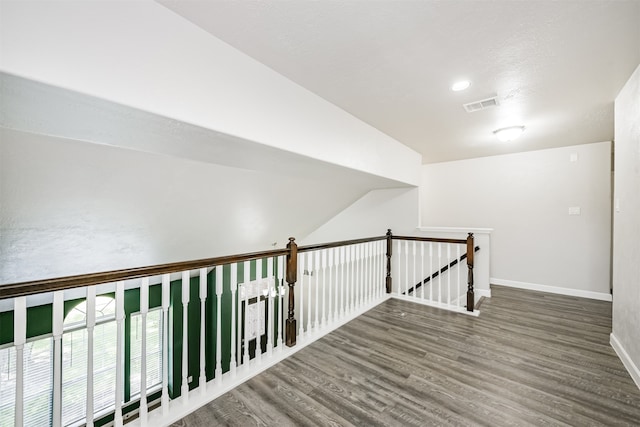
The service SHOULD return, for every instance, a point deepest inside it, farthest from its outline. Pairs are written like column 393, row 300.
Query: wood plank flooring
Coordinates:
column 530, row 359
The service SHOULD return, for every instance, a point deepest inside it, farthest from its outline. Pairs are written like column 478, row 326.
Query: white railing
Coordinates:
column 431, row 272
column 147, row 349
column 334, row 283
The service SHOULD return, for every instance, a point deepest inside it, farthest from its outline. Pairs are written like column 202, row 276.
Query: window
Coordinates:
column 74, row 360
column 7, row 385
column 38, row 358
column 154, row 350
column 37, row 383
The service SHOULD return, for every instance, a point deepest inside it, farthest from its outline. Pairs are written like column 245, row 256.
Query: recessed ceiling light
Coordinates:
column 509, row 133
column 461, row 85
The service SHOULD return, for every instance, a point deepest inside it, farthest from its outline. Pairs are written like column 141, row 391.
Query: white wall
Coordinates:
column 370, row 216
column 68, row 207
column 626, row 235
column 141, row 54
column 525, row 199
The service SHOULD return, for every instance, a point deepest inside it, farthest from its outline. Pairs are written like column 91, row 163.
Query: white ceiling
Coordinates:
column 556, row 66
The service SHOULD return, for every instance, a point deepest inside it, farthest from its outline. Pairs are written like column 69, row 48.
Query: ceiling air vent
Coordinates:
column 481, row 105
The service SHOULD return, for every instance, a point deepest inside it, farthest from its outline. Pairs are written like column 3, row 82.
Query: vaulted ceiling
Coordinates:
column 554, row 66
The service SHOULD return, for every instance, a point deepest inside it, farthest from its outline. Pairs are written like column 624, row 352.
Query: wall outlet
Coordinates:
column 190, row 379
column 574, row 210
column 573, row 157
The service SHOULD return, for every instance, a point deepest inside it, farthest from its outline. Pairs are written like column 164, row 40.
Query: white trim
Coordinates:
column 632, row 368
column 456, row 230
column 442, row 306
column 479, row 293
column 602, row 296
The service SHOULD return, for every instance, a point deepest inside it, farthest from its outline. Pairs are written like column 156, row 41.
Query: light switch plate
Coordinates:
column 574, row 210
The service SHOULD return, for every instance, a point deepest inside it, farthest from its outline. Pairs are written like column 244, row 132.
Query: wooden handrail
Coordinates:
column 61, row 283
column 431, row 239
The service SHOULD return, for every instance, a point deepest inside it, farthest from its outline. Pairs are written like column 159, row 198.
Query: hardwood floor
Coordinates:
column 530, row 359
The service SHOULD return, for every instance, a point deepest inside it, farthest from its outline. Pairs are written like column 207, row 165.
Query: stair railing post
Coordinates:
column 389, row 252
column 470, row 293
column 292, row 278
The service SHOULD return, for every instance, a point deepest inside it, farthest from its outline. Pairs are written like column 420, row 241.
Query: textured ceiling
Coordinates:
column 556, row 66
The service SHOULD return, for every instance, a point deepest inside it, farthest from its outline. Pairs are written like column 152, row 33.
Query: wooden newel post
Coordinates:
column 292, row 278
column 470, row 294
column 389, row 249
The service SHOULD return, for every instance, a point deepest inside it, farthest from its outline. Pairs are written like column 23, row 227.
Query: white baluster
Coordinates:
column 19, row 340
column 430, row 271
column 316, row 271
column 280, row 288
column 356, row 281
column 184, row 389
column 324, row 287
column 382, row 252
column 57, row 323
column 459, row 299
column 378, row 274
column 360, row 261
column 375, row 277
column 331, row 305
column 439, row 274
column 310, row 269
column 337, row 284
column 202, row 379
column 144, row 309
column 365, row 273
column 369, row 271
column 422, row 285
column 270, row 301
column 233, row 282
column 361, row 272
column 406, row 267
column 350, row 283
column 413, row 284
column 219, row 284
column 448, row 274
column 166, row 282
column 260, row 314
column 247, row 280
column 302, row 258
column 398, row 264
column 342, row 281
column 91, row 323
column 120, row 316
column 356, row 276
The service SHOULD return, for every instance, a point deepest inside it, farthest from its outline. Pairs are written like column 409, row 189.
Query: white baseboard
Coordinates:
column 633, row 369
column 479, row 293
column 602, row 296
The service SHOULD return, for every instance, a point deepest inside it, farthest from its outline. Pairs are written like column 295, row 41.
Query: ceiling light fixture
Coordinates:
column 509, row 133
column 461, row 85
